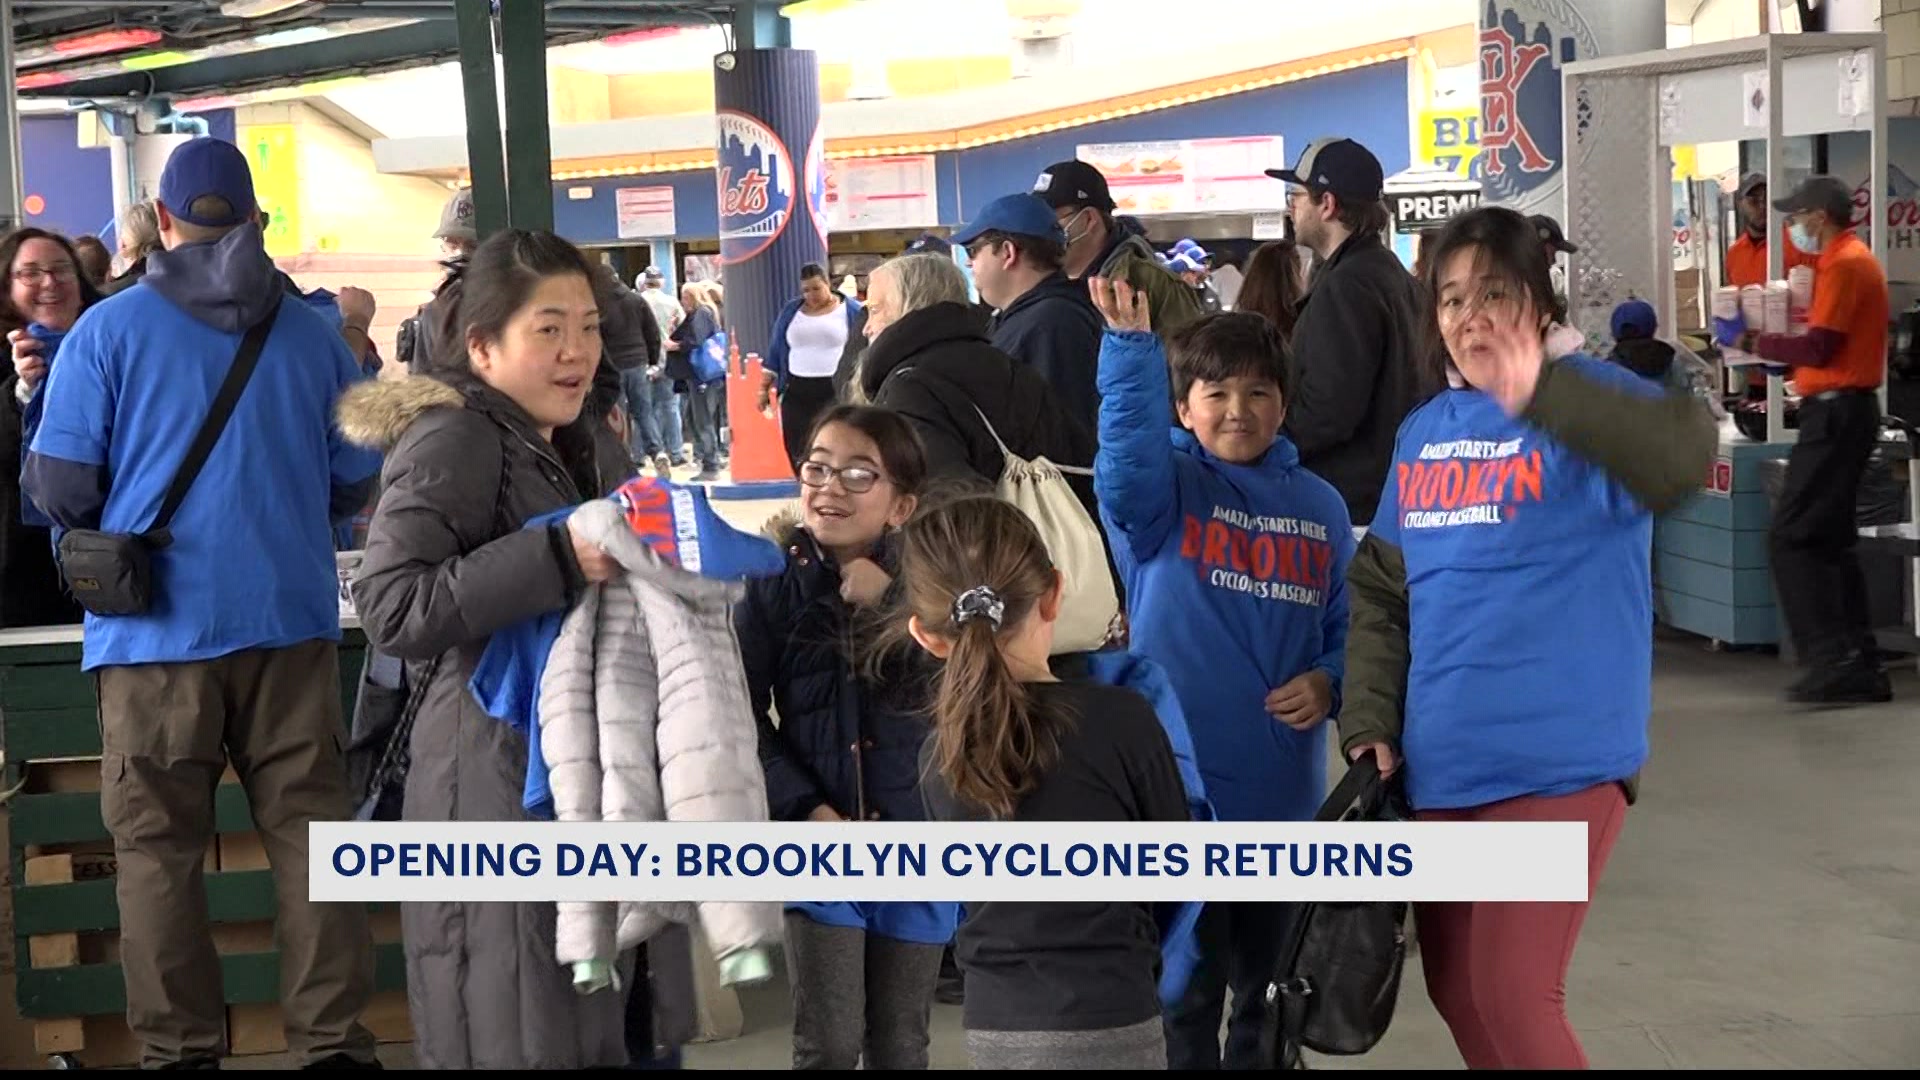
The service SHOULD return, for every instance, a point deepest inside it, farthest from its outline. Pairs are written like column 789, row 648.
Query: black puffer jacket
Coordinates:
column 841, row 741
column 936, row 367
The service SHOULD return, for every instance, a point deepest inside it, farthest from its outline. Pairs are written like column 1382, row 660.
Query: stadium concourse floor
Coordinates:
column 1762, row 909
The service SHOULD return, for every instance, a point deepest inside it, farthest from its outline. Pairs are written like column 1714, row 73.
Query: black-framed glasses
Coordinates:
column 857, row 479
column 38, row 275
column 989, row 241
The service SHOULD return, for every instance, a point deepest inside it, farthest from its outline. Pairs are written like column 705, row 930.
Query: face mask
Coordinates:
column 1073, row 237
column 1805, row 239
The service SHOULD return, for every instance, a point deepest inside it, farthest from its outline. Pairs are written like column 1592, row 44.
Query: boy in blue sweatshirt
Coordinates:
column 1235, row 561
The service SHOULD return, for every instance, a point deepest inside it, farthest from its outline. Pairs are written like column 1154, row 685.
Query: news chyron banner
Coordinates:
column 965, row 863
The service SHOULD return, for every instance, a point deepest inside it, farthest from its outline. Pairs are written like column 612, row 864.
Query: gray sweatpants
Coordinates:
column 852, row 991
column 1140, row 1047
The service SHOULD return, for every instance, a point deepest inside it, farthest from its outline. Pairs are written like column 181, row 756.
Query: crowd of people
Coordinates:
column 1345, row 495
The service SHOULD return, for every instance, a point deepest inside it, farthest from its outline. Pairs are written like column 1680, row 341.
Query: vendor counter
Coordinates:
column 1711, row 570
column 64, row 912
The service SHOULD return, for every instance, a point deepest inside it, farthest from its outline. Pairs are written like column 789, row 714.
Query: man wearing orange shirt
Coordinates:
column 1747, row 257
column 1838, row 365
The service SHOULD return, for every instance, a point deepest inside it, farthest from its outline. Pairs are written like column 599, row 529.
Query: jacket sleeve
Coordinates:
column 1379, row 649
column 1338, row 347
column 65, row 467
column 1173, row 303
column 1134, row 475
column 792, row 791
column 433, row 577
column 776, row 363
column 1337, row 612
column 649, row 329
column 1656, row 445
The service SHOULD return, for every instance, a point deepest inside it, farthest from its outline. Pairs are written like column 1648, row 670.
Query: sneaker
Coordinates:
column 662, row 467
column 343, row 1060
column 1851, row 685
column 707, row 476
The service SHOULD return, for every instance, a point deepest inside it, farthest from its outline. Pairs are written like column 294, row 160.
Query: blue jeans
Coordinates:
column 706, row 405
column 644, row 433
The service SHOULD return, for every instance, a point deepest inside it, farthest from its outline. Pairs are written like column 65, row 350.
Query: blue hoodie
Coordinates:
column 251, row 564
column 1236, row 583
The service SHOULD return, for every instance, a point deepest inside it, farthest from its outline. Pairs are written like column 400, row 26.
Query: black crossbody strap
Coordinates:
column 204, row 440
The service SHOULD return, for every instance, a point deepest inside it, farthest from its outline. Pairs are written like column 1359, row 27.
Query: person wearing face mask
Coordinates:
column 1101, row 245
column 471, row 455
column 235, row 659
column 1838, row 365
column 46, row 294
column 1500, row 634
column 1041, row 317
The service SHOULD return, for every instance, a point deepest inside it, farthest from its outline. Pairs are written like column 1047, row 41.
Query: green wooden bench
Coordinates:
column 62, row 921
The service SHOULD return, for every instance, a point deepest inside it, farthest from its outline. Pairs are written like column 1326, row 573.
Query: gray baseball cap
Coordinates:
column 456, row 219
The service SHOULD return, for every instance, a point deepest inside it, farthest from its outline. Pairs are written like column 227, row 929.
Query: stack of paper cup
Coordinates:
column 1800, row 297
column 1753, row 306
column 1778, row 307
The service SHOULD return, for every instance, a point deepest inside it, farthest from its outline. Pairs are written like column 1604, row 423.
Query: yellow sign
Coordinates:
column 270, row 150
column 1450, row 139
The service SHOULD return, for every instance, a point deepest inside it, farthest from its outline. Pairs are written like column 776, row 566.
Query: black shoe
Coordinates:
column 343, row 1060
column 1850, row 685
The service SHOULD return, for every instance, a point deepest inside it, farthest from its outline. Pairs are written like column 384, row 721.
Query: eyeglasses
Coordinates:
column 974, row 249
column 38, row 275
column 857, row 479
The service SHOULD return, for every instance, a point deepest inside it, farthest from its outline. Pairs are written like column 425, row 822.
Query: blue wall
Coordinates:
column 1368, row 104
column 78, row 184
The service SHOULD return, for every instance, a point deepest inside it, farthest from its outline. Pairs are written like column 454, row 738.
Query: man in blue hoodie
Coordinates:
column 1235, row 560
column 234, row 659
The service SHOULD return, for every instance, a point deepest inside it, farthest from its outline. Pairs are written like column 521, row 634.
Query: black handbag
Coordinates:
column 1339, row 976
column 112, row 573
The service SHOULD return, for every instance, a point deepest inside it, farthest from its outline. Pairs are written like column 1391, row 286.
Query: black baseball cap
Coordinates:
column 1074, row 183
column 1551, row 234
column 1339, row 165
column 1753, row 180
column 1828, row 193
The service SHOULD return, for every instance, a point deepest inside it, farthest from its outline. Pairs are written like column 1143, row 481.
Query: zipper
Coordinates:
column 859, row 783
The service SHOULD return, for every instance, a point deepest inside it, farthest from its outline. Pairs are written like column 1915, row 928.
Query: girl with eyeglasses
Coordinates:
column 46, row 292
column 847, row 743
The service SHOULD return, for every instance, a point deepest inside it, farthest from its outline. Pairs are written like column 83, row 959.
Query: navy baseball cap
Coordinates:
column 1634, row 319
column 1016, row 215
column 1339, row 165
column 204, row 167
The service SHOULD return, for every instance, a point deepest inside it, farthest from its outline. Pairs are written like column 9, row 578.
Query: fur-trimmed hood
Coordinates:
column 376, row 413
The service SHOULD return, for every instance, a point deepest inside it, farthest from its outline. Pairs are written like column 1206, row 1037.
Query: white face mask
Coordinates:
column 1805, row 239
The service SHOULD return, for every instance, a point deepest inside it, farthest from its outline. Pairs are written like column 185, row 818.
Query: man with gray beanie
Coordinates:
column 421, row 335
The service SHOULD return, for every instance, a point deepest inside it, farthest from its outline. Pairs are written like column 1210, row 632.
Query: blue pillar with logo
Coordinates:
column 1523, row 46
column 772, row 183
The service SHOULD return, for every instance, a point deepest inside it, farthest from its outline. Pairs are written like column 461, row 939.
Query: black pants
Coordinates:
column 1822, row 591
column 801, row 403
column 1240, row 947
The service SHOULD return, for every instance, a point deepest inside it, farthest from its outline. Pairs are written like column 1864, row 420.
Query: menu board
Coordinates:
column 1192, row 176
column 642, row 213
column 882, row 193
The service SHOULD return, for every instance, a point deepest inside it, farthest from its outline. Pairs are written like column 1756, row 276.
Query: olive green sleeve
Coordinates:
column 1658, row 448
column 1171, row 303
column 1374, row 691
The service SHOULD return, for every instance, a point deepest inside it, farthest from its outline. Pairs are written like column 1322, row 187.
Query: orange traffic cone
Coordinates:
column 759, row 454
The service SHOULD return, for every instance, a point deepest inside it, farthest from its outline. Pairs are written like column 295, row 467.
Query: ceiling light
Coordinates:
column 254, row 9
column 302, row 35
column 105, row 41
column 41, row 79
column 154, row 61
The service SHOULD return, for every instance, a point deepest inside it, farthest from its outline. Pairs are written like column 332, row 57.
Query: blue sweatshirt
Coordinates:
column 1530, row 604
column 1236, row 583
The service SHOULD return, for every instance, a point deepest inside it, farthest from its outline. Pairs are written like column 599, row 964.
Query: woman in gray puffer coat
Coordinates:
column 471, row 456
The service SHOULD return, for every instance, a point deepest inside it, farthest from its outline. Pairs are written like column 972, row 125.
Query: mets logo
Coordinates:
column 1523, row 44
column 756, row 186
column 817, row 182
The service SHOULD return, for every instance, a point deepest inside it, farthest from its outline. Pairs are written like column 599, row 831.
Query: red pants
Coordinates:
column 1497, row 972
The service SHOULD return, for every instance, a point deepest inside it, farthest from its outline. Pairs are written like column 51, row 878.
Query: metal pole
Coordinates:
column 523, row 53
column 12, row 187
column 474, row 20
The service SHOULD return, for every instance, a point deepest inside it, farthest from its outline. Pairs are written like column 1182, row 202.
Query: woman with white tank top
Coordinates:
column 809, row 339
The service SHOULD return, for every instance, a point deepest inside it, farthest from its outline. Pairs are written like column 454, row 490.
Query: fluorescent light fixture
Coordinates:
column 254, row 9
column 41, row 79
column 302, row 35
column 154, row 61
column 105, row 41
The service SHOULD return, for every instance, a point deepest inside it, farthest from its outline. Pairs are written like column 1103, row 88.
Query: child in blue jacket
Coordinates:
column 1235, row 561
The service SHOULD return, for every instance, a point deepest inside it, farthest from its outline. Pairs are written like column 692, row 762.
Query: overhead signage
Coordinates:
column 1424, row 211
column 894, row 192
column 1192, row 176
column 642, row 213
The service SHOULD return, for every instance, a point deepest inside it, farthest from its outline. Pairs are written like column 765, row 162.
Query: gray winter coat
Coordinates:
column 644, row 716
column 446, row 565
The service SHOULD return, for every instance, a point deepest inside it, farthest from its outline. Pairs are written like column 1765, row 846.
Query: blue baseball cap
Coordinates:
column 1016, row 215
column 1181, row 261
column 205, row 167
column 1188, row 247
column 1634, row 319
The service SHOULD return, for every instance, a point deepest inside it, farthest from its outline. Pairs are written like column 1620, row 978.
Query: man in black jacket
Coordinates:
column 1356, row 345
column 1041, row 317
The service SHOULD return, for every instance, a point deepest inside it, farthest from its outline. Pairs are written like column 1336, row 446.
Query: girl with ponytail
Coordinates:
column 1057, row 984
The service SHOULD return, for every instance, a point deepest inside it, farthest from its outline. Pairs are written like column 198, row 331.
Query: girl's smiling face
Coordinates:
column 847, row 501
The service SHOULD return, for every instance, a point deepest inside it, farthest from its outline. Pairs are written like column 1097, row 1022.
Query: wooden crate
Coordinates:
column 67, row 981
